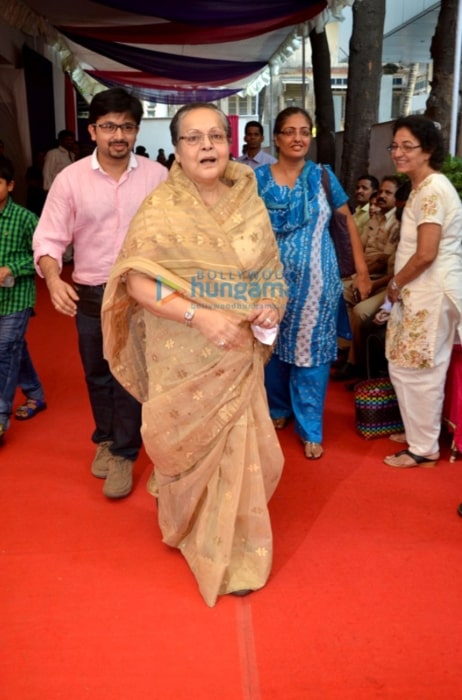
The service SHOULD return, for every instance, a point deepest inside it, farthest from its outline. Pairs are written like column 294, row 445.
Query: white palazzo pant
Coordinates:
column 420, row 392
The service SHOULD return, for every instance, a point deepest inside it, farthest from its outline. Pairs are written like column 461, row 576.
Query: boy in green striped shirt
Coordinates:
column 17, row 299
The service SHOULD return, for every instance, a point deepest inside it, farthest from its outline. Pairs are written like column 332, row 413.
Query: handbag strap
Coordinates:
column 326, row 185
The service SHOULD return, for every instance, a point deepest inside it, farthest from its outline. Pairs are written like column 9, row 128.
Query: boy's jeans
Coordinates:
column 16, row 368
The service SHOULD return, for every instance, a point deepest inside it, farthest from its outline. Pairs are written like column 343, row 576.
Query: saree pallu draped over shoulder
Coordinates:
column 206, row 423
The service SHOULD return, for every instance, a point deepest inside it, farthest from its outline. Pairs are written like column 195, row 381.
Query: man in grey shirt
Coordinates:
column 254, row 156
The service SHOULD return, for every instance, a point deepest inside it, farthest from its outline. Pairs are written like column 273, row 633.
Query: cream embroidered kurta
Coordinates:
column 413, row 326
column 206, row 423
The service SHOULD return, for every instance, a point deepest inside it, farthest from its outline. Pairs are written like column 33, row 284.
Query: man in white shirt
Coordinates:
column 254, row 156
column 58, row 158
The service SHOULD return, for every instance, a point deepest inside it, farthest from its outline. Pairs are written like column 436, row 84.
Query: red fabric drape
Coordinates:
column 182, row 33
column 452, row 410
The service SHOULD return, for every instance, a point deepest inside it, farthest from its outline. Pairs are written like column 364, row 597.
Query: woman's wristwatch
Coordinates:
column 189, row 315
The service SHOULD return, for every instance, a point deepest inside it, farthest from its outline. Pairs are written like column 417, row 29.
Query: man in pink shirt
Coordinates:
column 90, row 204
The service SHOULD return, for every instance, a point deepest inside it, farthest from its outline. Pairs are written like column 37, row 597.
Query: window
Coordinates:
column 242, row 106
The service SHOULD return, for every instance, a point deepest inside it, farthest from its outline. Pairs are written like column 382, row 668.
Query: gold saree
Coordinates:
column 206, row 423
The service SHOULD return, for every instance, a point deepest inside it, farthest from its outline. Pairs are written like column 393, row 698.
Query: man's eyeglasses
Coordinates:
column 291, row 131
column 111, row 128
column 193, row 138
column 405, row 147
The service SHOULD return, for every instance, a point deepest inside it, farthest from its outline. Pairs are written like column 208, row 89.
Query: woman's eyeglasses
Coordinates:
column 405, row 147
column 193, row 138
column 292, row 131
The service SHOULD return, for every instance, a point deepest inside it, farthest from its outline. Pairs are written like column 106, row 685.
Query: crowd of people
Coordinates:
column 204, row 375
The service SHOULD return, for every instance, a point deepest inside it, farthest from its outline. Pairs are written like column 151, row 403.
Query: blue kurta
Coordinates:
column 300, row 219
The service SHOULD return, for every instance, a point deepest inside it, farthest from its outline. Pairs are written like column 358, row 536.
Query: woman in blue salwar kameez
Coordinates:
column 298, row 373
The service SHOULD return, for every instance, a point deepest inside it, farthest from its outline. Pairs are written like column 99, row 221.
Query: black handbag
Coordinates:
column 339, row 233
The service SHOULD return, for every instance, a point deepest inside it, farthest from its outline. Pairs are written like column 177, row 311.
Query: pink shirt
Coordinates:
column 87, row 207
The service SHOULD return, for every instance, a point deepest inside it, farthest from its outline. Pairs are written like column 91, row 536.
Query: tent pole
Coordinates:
column 456, row 85
column 271, row 107
column 304, row 66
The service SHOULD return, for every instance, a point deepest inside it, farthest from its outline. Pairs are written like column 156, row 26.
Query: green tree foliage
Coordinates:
column 452, row 168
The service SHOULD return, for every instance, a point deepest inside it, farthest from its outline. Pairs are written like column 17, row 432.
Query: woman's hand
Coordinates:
column 224, row 330
column 264, row 314
column 393, row 291
column 363, row 284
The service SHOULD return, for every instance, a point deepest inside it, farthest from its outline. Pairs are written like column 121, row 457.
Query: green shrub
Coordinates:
column 452, row 168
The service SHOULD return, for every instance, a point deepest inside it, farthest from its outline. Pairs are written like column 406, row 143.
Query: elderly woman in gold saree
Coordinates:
column 190, row 311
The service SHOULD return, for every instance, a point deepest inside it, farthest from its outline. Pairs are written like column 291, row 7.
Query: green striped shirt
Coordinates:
column 17, row 226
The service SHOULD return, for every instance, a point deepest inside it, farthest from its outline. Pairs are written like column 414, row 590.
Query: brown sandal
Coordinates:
column 406, row 459
column 313, row 450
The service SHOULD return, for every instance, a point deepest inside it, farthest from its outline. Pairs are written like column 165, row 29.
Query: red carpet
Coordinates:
column 364, row 602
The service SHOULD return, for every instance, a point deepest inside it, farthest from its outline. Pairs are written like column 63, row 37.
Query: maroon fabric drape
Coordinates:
column 234, row 119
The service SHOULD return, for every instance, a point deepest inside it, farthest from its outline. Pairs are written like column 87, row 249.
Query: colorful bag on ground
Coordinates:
column 377, row 410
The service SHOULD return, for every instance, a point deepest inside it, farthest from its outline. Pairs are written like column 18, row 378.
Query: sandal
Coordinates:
column 280, row 423
column 29, row 409
column 405, row 459
column 313, row 450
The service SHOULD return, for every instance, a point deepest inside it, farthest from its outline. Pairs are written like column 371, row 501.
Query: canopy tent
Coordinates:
column 170, row 52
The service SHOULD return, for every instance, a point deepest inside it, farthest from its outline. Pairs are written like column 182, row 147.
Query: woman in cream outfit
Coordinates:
column 426, row 290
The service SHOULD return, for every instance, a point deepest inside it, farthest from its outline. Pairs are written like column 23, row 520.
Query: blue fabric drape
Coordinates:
column 197, row 70
column 204, row 12
column 169, row 97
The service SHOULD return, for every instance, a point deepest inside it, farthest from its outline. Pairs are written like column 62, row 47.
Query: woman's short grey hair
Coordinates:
column 177, row 119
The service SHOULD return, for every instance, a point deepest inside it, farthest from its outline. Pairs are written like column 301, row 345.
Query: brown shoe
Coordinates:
column 100, row 464
column 119, row 481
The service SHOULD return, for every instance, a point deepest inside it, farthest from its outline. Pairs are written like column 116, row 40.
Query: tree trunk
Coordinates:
column 439, row 103
column 363, row 93
column 324, row 117
column 411, row 79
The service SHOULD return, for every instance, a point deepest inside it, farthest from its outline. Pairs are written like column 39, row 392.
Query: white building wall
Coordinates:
column 400, row 12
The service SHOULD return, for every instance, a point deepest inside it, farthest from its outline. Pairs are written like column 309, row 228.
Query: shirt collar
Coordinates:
column 390, row 213
column 132, row 163
column 256, row 158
